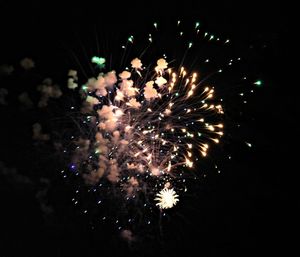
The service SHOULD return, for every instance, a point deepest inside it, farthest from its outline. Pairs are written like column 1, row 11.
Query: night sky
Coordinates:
column 240, row 212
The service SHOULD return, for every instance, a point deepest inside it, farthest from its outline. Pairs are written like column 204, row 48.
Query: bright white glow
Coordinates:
column 166, row 198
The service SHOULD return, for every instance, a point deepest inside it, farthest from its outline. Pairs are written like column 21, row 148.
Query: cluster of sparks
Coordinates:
column 148, row 124
column 166, row 198
column 144, row 128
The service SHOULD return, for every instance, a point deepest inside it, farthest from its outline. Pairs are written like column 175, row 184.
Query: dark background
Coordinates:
column 242, row 210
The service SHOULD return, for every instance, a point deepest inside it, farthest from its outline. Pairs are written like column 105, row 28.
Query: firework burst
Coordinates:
column 148, row 125
column 166, row 198
column 145, row 128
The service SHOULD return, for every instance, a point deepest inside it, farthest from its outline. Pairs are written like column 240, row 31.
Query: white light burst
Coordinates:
column 166, row 198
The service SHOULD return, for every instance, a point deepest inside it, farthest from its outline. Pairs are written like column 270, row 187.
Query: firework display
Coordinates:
column 143, row 128
column 148, row 127
column 145, row 122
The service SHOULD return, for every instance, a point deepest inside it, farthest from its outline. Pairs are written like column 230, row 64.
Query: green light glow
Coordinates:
column 258, row 83
column 130, row 39
column 100, row 61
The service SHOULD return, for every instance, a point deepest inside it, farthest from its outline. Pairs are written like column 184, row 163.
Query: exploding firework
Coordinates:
column 166, row 198
column 142, row 127
column 147, row 125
